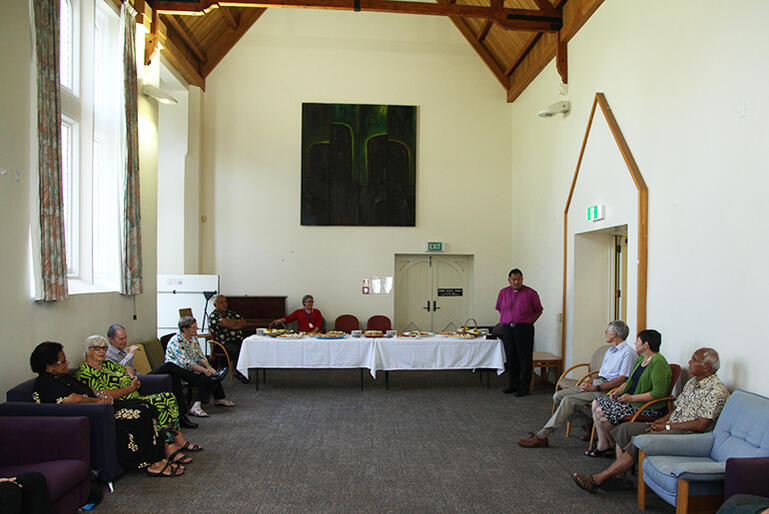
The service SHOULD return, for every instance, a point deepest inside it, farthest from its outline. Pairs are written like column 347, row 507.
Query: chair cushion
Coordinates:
column 742, row 429
column 60, row 475
column 155, row 353
column 140, row 361
column 660, row 474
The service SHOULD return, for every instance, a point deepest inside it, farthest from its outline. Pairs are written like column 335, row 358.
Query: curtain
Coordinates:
column 131, row 273
column 53, row 260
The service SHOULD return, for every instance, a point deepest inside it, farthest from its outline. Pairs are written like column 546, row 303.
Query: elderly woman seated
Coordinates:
column 112, row 379
column 137, row 444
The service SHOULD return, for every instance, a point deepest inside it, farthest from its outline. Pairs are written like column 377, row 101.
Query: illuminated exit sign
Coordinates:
column 435, row 246
column 596, row 212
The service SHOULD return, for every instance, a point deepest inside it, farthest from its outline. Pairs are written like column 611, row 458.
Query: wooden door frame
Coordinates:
column 643, row 215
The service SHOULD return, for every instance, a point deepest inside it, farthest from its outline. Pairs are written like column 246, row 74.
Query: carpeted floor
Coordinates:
column 312, row 441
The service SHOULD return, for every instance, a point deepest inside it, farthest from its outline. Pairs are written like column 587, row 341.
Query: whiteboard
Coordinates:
column 184, row 291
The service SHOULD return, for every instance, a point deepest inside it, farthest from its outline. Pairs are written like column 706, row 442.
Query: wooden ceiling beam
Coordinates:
column 536, row 20
column 179, row 61
column 484, row 31
column 227, row 40
column 227, row 15
column 480, row 49
column 186, row 34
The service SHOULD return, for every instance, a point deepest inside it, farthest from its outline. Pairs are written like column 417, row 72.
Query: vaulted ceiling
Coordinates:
column 515, row 38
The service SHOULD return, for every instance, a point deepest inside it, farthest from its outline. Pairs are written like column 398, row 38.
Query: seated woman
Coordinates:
column 309, row 319
column 184, row 351
column 137, row 444
column 649, row 380
column 112, row 379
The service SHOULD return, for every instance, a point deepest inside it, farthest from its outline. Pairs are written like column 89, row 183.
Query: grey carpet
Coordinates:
column 312, row 441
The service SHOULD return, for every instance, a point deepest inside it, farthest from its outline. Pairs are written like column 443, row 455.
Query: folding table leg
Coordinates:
column 387, row 380
column 361, row 379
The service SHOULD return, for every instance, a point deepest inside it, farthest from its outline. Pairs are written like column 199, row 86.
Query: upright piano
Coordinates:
column 258, row 311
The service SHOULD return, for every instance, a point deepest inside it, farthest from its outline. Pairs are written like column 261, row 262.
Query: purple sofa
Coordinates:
column 56, row 447
column 103, row 438
column 747, row 476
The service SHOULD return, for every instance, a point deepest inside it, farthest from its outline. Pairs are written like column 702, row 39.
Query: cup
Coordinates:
column 356, row 333
column 391, row 333
column 260, row 331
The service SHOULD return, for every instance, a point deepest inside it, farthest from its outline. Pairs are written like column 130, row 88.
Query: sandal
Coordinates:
column 585, row 482
column 224, row 403
column 175, row 470
column 178, row 457
column 188, row 446
column 608, row 453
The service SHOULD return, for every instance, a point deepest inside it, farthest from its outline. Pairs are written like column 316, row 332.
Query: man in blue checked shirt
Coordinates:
column 616, row 367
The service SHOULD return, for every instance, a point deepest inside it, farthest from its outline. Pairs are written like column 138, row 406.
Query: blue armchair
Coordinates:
column 688, row 470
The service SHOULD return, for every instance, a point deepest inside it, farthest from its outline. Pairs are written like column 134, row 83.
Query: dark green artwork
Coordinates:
column 358, row 165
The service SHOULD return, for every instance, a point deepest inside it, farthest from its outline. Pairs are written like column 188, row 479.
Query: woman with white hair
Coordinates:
column 110, row 377
column 309, row 318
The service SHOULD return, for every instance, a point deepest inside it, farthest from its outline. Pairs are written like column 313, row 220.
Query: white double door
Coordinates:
column 432, row 292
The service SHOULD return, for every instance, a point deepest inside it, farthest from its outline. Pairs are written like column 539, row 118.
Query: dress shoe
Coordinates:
column 240, row 376
column 534, row 441
column 185, row 422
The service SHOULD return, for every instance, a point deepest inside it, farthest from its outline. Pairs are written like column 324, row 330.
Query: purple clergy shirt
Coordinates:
column 520, row 306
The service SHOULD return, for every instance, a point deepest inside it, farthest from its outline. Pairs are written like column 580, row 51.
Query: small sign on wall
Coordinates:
column 434, row 246
column 596, row 212
column 449, row 291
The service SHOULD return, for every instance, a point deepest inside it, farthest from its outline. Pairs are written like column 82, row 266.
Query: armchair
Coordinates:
column 688, row 470
column 57, row 448
column 592, row 368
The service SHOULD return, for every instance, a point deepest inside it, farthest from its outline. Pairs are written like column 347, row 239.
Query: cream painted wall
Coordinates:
column 677, row 84
column 24, row 323
column 251, row 156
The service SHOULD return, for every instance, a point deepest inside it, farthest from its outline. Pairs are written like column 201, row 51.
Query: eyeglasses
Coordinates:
column 98, row 347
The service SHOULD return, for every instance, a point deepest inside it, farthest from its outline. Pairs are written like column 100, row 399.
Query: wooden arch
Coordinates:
column 643, row 212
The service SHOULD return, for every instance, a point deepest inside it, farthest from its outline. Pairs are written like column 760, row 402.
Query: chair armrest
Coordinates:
column 746, row 476
column 668, row 399
column 221, row 346
column 684, row 445
column 712, row 471
column 154, row 384
column 563, row 375
column 587, row 375
column 29, row 440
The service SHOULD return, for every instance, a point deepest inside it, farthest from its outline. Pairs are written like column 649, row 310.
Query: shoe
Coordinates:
column 224, row 403
column 586, row 482
column 198, row 412
column 189, row 447
column 243, row 379
column 534, row 441
column 186, row 422
column 219, row 375
column 174, row 470
column 609, row 453
column 519, row 394
column 508, row 390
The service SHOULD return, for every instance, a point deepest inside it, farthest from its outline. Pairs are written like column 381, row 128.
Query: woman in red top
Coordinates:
column 309, row 319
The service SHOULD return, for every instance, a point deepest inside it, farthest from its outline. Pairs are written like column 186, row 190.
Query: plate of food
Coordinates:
column 412, row 334
column 373, row 333
column 446, row 333
column 333, row 334
column 290, row 335
column 275, row 332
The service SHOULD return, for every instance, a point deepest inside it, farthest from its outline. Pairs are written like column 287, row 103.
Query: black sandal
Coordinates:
column 585, row 482
column 607, row 453
column 178, row 457
column 176, row 470
column 188, row 446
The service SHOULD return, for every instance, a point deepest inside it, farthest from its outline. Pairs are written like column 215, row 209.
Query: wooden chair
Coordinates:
column 592, row 367
column 378, row 322
column 346, row 323
column 216, row 348
column 675, row 371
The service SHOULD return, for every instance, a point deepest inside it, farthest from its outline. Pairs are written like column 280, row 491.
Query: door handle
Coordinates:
column 435, row 307
column 428, row 306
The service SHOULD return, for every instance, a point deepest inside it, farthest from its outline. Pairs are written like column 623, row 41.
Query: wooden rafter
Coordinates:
column 514, row 19
column 186, row 34
column 484, row 31
column 227, row 15
column 223, row 45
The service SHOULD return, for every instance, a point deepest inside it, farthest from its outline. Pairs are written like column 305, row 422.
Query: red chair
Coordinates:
column 378, row 323
column 346, row 323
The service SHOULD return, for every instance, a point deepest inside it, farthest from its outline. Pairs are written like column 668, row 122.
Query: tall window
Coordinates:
column 91, row 86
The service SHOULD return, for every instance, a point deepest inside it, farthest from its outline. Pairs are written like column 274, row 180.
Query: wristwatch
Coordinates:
column 667, row 426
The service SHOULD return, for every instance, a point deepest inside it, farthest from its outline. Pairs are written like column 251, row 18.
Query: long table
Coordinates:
column 374, row 354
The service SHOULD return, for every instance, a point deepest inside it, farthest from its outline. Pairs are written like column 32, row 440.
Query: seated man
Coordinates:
column 119, row 352
column 696, row 410
column 617, row 364
column 226, row 327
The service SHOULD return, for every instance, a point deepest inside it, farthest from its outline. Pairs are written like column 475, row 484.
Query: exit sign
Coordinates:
column 435, row 246
column 596, row 212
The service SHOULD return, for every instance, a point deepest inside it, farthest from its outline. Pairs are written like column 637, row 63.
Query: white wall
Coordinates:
column 676, row 75
column 251, row 156
column 24, row 323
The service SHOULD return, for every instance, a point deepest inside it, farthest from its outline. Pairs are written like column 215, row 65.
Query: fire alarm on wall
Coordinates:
column 366, row 288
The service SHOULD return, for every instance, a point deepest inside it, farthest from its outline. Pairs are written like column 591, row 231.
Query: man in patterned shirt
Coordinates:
column 227, row 328
column 696, row 410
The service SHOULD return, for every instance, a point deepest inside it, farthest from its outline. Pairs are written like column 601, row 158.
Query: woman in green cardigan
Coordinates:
column 649, row 380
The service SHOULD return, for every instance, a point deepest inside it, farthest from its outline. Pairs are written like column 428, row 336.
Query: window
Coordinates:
column 91, row 91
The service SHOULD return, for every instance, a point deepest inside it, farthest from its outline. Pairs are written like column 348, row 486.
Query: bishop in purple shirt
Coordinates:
column 519, row 307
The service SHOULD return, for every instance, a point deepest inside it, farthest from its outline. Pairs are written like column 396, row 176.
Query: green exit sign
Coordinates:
column 434, row 246
column 596, row 212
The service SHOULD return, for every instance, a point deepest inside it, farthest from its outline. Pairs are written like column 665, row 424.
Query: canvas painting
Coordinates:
column 358, row 165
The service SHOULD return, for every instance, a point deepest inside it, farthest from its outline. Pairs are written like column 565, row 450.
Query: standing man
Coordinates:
column 616, row 367
column 227, row 328
column 519, row 308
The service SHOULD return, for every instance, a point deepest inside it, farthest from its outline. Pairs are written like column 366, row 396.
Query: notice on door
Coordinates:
column 449, row 291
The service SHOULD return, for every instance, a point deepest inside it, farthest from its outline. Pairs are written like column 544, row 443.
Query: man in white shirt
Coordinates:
column 617, row 365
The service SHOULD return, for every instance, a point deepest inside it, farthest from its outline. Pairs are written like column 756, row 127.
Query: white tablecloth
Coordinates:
column 380, row 354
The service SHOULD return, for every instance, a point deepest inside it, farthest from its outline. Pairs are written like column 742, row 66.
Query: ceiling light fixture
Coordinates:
column 158, row 94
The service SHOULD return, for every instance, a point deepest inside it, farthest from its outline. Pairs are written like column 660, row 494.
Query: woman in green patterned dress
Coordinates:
column 103, row 375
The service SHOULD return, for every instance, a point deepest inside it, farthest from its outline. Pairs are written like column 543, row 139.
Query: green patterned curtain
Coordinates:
column 131, row 279
column 53, row 259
